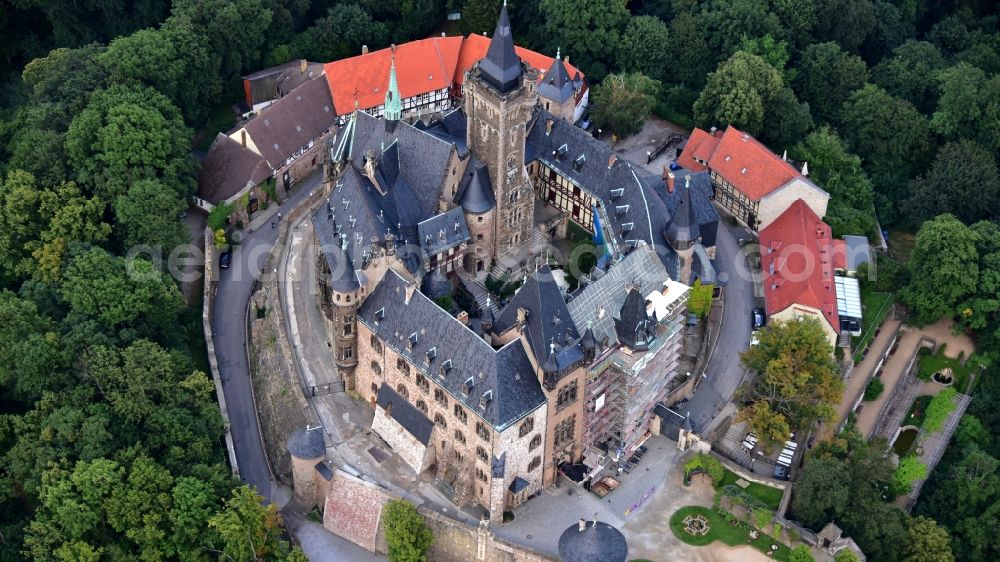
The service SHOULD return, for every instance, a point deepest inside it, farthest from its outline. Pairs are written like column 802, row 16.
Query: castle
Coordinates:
column 551, row 384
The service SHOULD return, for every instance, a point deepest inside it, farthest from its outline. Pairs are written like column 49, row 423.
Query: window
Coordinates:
column 375, row 343
column 460, row 413
column 482, row 431
column 457, row 455
column 402, row 391
column 564, row 431
column 481, row 475
column 439, row 420
column 440, row 398
column 348, row 325
column 535, row 442
column 374, row 388
column 526, row 427
column 534, row 464
column 348, row 353
column 403, row 367
column 459, row 436
column 376, row 368
column 422, row 383
column 422, row 406
column 482, row 454
column 479, row 219
column 566, row 396
column 479, row 237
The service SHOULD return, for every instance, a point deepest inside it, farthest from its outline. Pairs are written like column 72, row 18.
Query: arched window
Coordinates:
column 402, row 391
column 422, row 406
column 376, row 368
column 440, row 397
column 439, row 420
column 460, row 413
column 459, row 436
column 374, row 388
column 422, row 383
column 534, row 464
column 403, row 367
column 482, row 431
column 481, row 475
column 535, row 442
column 526, row 427
column 482, row 454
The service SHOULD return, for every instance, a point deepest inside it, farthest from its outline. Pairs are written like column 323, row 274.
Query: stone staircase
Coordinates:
column 479, row 291
column 844, row 340
column 935, row 444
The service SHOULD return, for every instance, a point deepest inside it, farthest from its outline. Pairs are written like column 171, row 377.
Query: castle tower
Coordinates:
column 307, row 448
column 557, row 92
column 499, row 97
column 393, row 102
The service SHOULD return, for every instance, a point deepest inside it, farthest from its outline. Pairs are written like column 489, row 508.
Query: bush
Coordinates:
column 219, row 238
column 776, row 532
column 445, row 302
column 762, row 516
column 700, row 298
column 219, row 215
column 406, row 533
column 707, row 464
column 939, row 409
column 873, row 390
column 801, row 553
column 910, row 470
column 845, row 556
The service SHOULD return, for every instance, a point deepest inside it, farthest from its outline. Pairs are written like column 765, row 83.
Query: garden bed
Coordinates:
column 917, row 411
column 732, row 534
column 875, row 306
column 771, row 497
column 938, row 362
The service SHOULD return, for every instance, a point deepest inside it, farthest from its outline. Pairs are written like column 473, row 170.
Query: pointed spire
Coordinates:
column 502, row 68
column 393, row 103
column 558, row 53
column 784, row 156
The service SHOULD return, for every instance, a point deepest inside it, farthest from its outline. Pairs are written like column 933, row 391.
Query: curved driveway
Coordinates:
column 229, row 327
column 724, row 371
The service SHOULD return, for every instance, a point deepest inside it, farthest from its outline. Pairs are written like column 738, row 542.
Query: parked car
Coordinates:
column 780, row 472
column 757, row 318
column 224, row 259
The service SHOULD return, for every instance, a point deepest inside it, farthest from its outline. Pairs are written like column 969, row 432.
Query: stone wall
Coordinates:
column 457, row 542
column 414, row 453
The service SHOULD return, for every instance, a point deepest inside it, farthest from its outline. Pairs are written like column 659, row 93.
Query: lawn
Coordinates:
column 771, row 497
column 874, row 306
column 930, row 364
column 722, row 530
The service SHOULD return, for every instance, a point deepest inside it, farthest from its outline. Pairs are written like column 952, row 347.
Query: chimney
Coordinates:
column 463, row 317
column 784, row 156
column 611, row 160
column 303, row 66
column 670, row 182
column 410, row 287
column 582, row 526
column 243, row 137
column 566, row 58
column 805, row 169
column 364, row 49
column 522, row 315
column 548, row 127
column 713, row 130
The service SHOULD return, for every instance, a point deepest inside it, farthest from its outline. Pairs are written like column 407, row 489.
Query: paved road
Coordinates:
column 724, row 371
column 229, row 326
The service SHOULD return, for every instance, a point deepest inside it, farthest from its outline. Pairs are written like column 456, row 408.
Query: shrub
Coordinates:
column 873, row 390
column 219, row 238
column 406, row 533
column 219, row 215
column 761, row 517
column 708, row 464
column 910, row 470
column 445, row 302
column 700, row 299
column 845, row 556
column 939, row 409
column 776, row 532
column 801, row 553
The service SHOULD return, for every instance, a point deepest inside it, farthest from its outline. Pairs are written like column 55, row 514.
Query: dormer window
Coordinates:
column 431, row 354
column 485, row 399
column 468, row 385
column 411, row 341
column 379, row 315
column 578, row 163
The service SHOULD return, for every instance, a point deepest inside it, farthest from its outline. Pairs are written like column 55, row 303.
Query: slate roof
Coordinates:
column 796, row 252
column 442, row 231
column 501, row 67
column 548, row 321
column 600, row 301
column 474, row 48
column 684, row 225
column 450, row 128
column 292, row 122
column 306, row 443
column 411, row 419
column 632, row 324
column 504, row 386
column 851, row 252
column 556, row 84
column 276, row 81
column 598, row 542
column 518, row 484
column 701, row 213
column 422, row 66
column 228, row 168
column 475, row 192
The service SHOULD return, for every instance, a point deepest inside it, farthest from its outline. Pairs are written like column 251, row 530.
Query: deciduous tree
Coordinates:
column 911, row 74
column 622, row 102
column 591, row 29
column 963, row 163
column 148, row 214
column 827, row 77
column 738, row 93
column 928, row 542
column 405, row 532
column 944, row 267
column 642, row 47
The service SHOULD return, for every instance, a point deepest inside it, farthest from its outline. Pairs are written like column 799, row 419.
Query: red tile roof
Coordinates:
column 353, row 509
column 700, row 146
column 422, row 66
column 797, row 260
column 474, row 48
column 749, row 165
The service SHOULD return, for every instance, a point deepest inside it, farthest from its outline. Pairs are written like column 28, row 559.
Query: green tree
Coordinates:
column 969, row 106
column 641, row 48
column 592, row 29
column 827, row 77
column 928, row 542
column 341, row 33
column 788, row 119
column 249, row 530
column 234, row 29
column 801, row 553
column 76, row 22
column 623, row 102
column 797, row 377
column 687, row 41
column 40, row 153
column 845, row 555
column 738, row 93
column 944, row 267
column 406, row 533
column 822, row 492
column 798, row 19
column 910, row 470
column 730, row 21
column 964, row 163
column 480, row 16
column 63, row 81
column 846, row 22
column 31, row 357
column 128, row 133
column 773, row 51
column 148, row 214
column 911, row 74
column 892, row 28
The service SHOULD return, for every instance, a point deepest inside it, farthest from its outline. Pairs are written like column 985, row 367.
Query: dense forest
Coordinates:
column 110, row 436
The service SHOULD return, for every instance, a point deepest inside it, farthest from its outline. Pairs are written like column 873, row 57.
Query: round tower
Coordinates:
column 307, row 448
column 592, row 541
